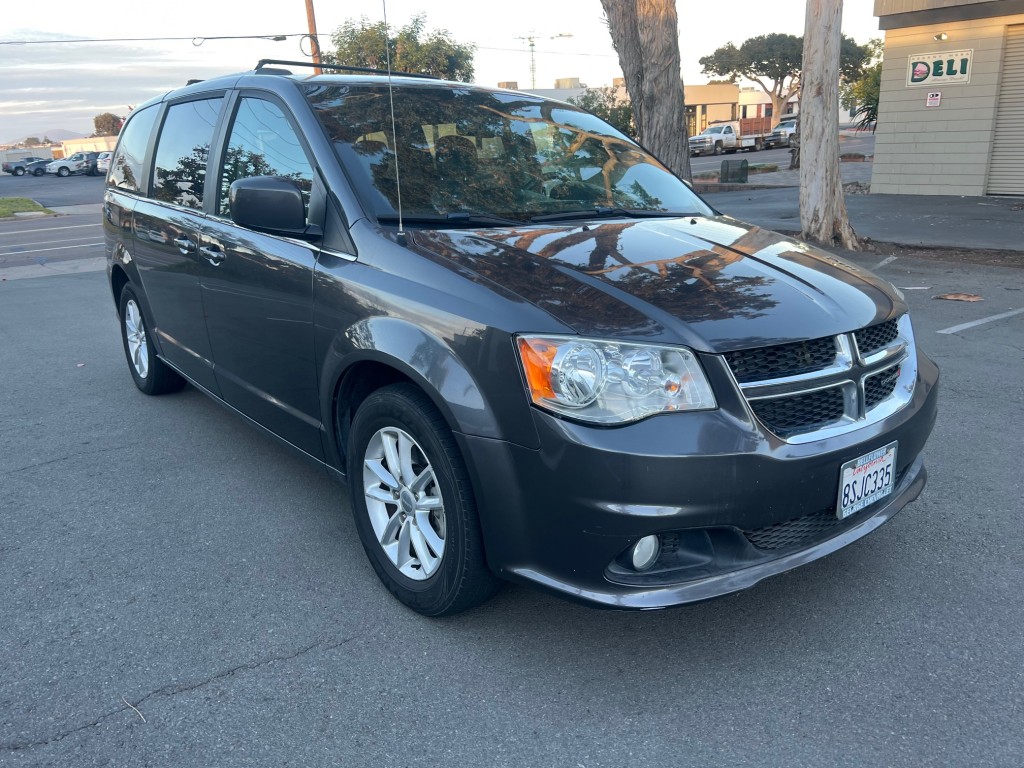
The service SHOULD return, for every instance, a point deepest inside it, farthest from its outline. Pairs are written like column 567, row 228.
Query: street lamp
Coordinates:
column 532, row 40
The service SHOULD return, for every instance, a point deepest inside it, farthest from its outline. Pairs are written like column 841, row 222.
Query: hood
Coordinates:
column 712, row 283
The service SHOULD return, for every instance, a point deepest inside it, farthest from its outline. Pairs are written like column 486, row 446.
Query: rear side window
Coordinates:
column 126, row 167
column 263, row 143
column 182, row 151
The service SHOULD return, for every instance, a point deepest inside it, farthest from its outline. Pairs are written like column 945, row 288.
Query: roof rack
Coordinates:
column 261, row 66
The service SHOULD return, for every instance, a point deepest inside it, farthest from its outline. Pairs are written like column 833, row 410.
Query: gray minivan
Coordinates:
column 530, row 351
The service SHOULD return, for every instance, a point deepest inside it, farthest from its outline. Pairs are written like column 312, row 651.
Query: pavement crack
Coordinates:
column 174, row 690
column 69, row 457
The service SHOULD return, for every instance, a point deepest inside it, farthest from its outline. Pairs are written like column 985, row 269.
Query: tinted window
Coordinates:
column 182, row 152
column 263, row 143
column 126, row 167
column 469, row 150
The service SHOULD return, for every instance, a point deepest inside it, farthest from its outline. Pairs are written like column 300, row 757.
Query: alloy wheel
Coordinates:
column 404, row 503
column 135, row 333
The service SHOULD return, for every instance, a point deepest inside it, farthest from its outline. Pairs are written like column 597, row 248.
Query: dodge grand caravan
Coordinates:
column 529, row 350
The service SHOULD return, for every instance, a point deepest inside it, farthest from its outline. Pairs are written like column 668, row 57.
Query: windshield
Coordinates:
column 464, row 150
column 709, row 131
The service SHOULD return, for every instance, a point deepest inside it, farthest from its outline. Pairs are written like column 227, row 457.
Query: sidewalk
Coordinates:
column 995, row 223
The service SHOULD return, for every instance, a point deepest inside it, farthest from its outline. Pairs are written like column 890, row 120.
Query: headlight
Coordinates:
column 608, row 382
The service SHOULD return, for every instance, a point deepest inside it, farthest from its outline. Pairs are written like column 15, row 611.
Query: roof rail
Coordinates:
column 261, row 66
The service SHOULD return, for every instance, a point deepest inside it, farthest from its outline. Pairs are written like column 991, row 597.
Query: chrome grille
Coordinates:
column 789, row 415
column 782, row 359
column 880, row 386
column 806, row 390
column 875, row 337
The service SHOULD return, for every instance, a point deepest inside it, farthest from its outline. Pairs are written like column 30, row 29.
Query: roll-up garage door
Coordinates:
column 1006, row 166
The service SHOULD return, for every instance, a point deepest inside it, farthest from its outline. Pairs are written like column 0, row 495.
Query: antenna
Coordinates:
column 394, row 132
column 532, row 40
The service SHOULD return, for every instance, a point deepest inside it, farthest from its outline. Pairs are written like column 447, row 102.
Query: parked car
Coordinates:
column 533, row 354
column 20, row 166
column 37, row 168
column 103, row 162
column 83, row 163
column 748, row 133
column 781, row 135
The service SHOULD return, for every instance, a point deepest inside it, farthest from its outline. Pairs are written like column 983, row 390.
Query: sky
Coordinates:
column 49, row 86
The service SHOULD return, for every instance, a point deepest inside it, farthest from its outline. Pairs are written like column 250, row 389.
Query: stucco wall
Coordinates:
column 944, row 149
column 886, row 7
column 94, row 144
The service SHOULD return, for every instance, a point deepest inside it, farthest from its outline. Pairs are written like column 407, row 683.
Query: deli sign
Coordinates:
column 945, row 68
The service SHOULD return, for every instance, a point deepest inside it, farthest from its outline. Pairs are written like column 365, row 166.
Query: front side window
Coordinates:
column 466, row 150
column 263, row 143
column 179, row 175
column 126, row 167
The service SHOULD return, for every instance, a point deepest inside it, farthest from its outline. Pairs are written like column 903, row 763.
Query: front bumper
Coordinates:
column 563, row 516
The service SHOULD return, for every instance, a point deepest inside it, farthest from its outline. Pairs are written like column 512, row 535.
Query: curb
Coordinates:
column 714, row 186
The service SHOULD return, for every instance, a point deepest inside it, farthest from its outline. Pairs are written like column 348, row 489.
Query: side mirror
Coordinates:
column 270, row 204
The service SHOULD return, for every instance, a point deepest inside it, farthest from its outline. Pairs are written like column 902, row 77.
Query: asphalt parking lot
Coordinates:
column 179, row 590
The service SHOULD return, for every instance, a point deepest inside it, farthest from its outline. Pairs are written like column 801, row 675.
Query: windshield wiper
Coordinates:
column 455, row 219
column 604, row 212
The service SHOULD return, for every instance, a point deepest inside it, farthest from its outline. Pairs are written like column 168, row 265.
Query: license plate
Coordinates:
column 865, row 480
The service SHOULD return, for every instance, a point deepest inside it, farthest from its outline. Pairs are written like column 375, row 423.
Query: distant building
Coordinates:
column 92, row 144
column 705, row 104
column 951, row 107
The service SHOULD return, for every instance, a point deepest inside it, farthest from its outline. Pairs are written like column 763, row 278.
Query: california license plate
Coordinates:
column 865, row 480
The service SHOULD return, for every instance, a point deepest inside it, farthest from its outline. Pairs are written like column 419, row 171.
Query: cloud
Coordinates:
column 65, row 85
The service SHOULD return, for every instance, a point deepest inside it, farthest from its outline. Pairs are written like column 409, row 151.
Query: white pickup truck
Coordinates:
column 729, row 136
column 782, row 136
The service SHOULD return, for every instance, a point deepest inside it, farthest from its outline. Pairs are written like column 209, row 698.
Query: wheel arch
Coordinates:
column 383, row 351
column 118, row 280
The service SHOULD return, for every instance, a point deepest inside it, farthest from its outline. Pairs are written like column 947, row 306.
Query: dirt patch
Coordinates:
column 983, row 256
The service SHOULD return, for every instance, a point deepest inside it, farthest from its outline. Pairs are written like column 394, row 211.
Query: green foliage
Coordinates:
column 774, row 57
column 413, row 49
column 606, row 104
column 12, row 205
column 32, row 141
column 107, row 124
column 778, row 58
column 861, row 94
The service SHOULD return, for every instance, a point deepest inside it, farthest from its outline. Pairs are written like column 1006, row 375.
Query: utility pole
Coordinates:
column 532, row 39
column 314, row 41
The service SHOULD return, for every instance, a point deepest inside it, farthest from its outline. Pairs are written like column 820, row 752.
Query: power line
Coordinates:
column 554, row 53
column 193, row 38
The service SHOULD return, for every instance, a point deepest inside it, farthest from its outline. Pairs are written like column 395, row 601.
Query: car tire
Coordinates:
column 19, row 171
column 150, row 374
column 413, row 504
column 39, row 172
column 718, row 148
column 63, row 171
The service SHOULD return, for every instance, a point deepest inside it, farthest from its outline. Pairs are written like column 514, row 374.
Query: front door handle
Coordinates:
column 185, row 245
column 212, row 254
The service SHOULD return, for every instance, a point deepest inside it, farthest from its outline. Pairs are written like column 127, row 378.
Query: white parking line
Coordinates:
column 983, row 321
column 39, row 242
column 61, row 248
column 47, row 229
column 883, row 262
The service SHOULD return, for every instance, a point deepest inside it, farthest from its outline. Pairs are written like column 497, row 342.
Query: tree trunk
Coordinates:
column 822, row 205
column 645, row 34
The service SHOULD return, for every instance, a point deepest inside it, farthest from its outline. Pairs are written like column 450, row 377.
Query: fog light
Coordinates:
column 645, row 552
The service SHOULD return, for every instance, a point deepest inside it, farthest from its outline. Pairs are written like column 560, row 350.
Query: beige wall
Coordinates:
column 945, row 149
column 95, row 144
column 712, row 103
column 888, row 7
